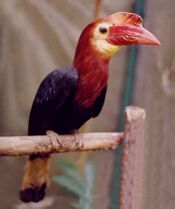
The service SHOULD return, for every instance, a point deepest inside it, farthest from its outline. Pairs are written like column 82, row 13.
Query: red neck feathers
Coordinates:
column 92, row 68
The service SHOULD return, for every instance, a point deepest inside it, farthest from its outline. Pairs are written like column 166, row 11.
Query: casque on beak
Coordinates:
column 127, row 29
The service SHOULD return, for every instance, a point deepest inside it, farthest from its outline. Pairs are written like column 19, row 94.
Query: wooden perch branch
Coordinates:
column 132, row 159
column 26, row 145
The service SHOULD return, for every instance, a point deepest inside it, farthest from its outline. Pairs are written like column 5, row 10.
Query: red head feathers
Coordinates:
column 98, row 42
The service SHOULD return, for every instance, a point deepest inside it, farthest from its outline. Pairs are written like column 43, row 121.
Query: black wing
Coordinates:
column 99, row 103
column 53, row 92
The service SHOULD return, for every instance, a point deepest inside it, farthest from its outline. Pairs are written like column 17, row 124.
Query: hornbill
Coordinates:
column 70, row 96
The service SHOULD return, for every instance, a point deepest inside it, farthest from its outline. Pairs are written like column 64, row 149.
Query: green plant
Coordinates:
column 74, row 182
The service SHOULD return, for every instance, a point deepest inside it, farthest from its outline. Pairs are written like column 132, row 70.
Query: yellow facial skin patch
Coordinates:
column 100, row 43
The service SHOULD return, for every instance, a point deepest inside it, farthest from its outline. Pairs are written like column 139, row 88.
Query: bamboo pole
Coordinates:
column 97, row 8
column 132, row 160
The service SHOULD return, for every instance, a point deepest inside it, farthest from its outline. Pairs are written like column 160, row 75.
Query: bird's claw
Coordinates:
column 55, row 139
column 78, row 143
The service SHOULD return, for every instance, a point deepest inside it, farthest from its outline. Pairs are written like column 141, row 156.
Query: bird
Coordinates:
column 70, row 96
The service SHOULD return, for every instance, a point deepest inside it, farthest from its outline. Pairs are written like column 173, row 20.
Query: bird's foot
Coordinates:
column 55, row 139
column 78, row 143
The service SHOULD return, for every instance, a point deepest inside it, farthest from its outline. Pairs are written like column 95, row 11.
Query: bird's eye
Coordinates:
column 103, row 30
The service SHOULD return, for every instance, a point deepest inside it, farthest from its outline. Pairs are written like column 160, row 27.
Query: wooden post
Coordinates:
column 132, row 160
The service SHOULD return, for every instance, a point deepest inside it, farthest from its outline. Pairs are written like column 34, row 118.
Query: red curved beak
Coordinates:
column 127, row 34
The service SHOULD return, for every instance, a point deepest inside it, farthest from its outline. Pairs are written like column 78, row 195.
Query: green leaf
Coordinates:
column 75, row 183
column 70, row 184
column 64, row 163
column 71, row 171
column 76, row 205
column 90, row 180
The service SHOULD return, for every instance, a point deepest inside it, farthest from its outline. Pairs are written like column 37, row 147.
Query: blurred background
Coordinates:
column 39, row 36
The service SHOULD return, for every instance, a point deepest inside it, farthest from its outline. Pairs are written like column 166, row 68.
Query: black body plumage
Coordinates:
column 55, row 108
